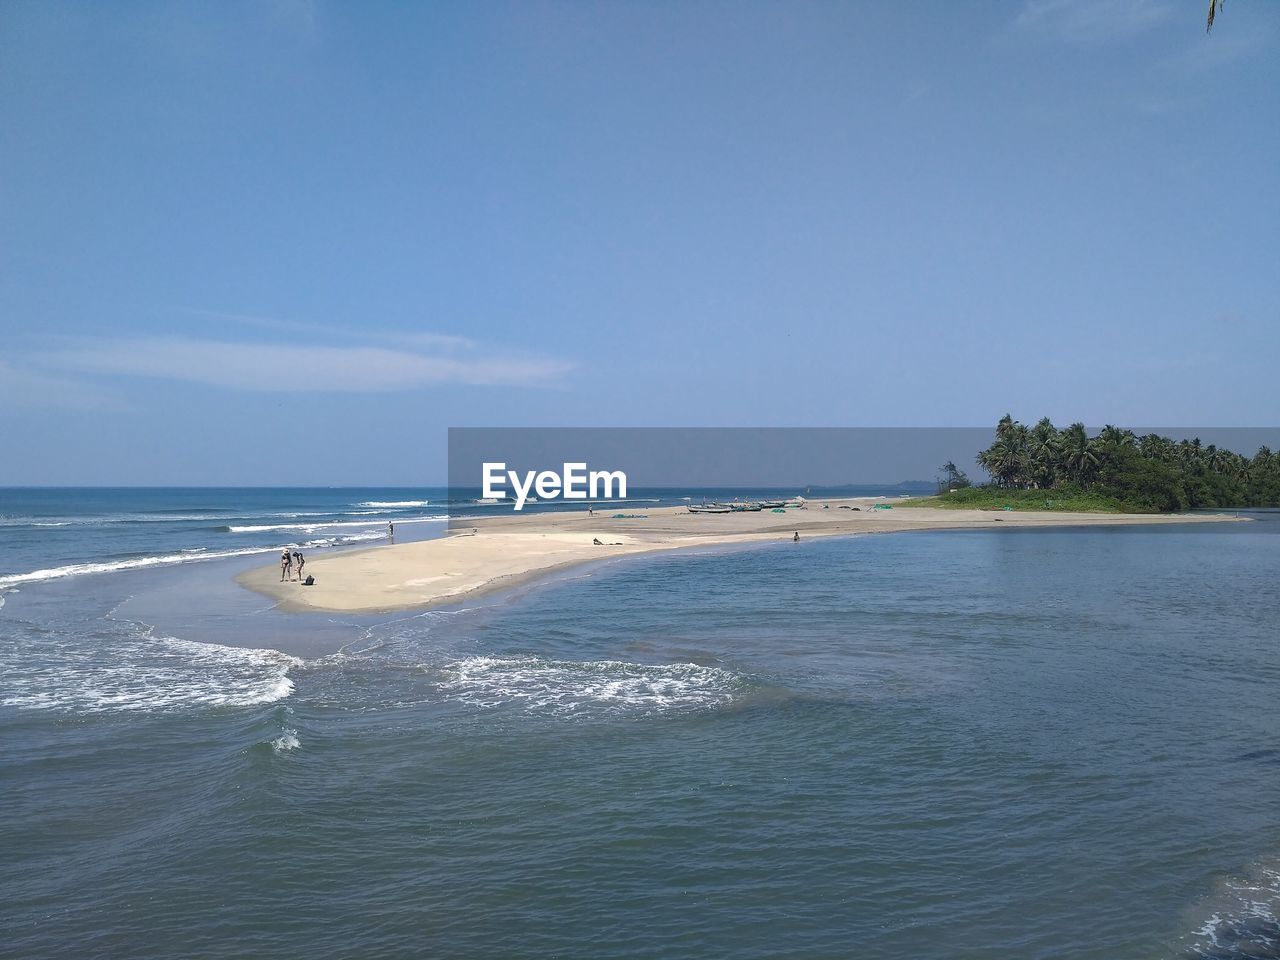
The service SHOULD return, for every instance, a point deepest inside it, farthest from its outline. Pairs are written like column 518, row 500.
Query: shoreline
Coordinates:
column 508, row 552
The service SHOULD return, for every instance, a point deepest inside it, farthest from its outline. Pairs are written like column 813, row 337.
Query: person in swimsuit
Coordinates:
column 286, row 565
column 299, row 562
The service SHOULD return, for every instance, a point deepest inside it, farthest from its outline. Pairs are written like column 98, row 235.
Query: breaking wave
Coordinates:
column 567, row 688
column 288, row 740
column 131, row 563
column 324, row 525
column 137, row 672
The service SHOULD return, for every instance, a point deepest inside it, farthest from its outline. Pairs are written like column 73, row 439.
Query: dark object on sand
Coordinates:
column 310, row 581
column 596, row 541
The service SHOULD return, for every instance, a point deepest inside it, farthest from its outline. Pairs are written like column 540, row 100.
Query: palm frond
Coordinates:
column 1214, row 7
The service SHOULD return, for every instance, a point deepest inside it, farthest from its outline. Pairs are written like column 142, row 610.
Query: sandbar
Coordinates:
column 498, row 553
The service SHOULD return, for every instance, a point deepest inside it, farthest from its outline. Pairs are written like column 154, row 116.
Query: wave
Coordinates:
column 131, row 563
column 99, row 520
column 139, row 673
column 223, row 515
column 568, row 688
column 311, row 527
column 342, row 541
column 1243, row 922
column 187, row 555
column 157, row 517
column 288, row 740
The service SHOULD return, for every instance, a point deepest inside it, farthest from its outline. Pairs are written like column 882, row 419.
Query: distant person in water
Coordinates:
column 391, row 530
column 299, row 562
column 796, row 538
column 286, row 564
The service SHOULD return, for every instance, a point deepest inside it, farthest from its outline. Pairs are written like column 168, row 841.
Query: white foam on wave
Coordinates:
column 100, row 520
column 288, row 740
column 393, row 503
column 567, row 687
column 1243, row 916
column 131, row 563
column 97, row 520
column 136, row 672
column 312, row 527
column 345, row 539
column 185, row 555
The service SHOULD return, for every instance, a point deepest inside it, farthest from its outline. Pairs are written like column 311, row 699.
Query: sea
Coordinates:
column 998, row 745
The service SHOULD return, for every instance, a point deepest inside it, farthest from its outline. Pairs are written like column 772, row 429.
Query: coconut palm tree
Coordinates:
column 1043, row 444
column 1001, row 461
column 1190, row 453
column 1155, row 447
column 1113, row 439
column 1214, row 7
column 1079, row 454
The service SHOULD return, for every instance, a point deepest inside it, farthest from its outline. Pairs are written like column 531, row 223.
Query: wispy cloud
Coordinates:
column 293, row 368
column 1091, row 21
column 33, row 389
column 423, row 340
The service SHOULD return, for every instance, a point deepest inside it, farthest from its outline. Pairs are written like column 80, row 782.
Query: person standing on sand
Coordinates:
column 391, row 531
column 286, row 564
column 298, row 559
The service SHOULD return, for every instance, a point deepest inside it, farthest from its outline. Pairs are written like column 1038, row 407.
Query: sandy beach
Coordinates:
column 500, row 553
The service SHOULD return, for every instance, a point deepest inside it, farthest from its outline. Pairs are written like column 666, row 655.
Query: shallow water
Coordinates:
column 1007, row 744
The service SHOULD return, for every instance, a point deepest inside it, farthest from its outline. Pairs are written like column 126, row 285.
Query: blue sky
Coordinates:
column 295, row 241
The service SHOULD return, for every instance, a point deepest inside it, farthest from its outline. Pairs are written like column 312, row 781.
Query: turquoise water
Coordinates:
column 1008, row 744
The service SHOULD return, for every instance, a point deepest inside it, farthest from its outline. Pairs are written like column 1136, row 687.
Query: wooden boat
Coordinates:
column 709, row 508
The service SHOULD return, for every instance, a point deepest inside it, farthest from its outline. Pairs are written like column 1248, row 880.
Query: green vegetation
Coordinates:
column 994, row 498
column 953, row 478
column 1044, row 468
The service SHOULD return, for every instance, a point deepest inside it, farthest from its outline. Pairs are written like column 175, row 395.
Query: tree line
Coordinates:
column 1148, row 472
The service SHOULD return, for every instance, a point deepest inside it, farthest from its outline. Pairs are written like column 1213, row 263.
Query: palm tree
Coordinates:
column 1000, row 460
column 1042, row 454
column 1113, row 438
column 1006, row 459
column 1214, row 7
column 1079, row 455
column 1155, row 447
column 1112, row 442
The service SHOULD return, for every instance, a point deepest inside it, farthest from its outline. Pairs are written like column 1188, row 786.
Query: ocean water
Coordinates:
column 985, row 744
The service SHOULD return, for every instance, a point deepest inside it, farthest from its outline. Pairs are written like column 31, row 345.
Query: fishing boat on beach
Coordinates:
column 710, row 508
